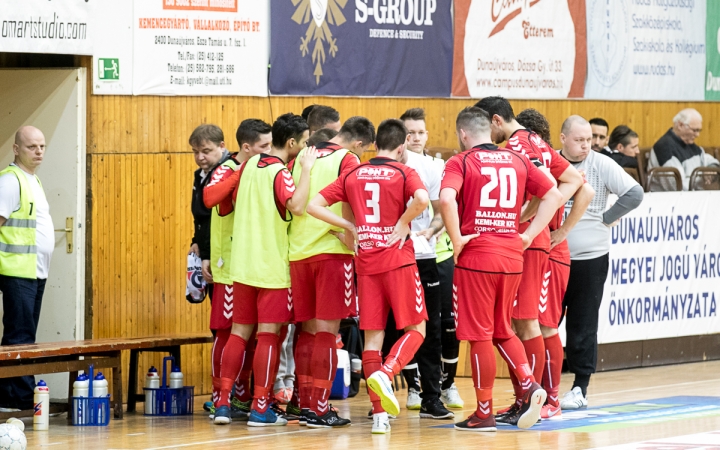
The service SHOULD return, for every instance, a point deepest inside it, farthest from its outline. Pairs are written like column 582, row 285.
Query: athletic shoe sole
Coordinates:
column 387, row 398
column 480, row 430
column 221, row 420
column 329, row 426
column 430, row 416
column 381, row 432
column 454, row 406
column 413, row 407
column 263, row 424
column 531, row 416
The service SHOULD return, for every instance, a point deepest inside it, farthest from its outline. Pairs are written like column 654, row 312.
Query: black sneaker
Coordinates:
column 434, row 409
column 291, row 418
column 328, row 420
column 509, row 417
column 533, row 400
column 303, row 416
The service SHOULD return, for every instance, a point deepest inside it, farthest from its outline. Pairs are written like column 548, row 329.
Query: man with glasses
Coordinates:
column 677, row 148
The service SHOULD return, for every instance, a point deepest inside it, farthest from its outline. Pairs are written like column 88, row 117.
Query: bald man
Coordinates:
column 26, row 246
column 677, row 148
column 589, row 244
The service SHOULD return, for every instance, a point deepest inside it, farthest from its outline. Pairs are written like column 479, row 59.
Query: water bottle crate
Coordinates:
column 166, row 401
column 91, row 411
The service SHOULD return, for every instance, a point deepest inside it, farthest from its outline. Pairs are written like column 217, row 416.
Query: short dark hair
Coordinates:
column 322, row 115
column 497, row 106
column 413, row 114
column 306, row 112
column 206, row 132
column 286, row 127
column 622, row 134
column 534, row 121
column 473, row 120
column 321, row 135
column 599, row 122
column 250, row 130
column 390, row 134
column 358, row 128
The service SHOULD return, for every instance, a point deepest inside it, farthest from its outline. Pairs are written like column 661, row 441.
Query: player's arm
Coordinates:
column 569, row 182
column 529, row 209
column 346, row 238
column 582, row 200
column 402, row 227
column 221, row 187
column 549, row 203
column 318, row 209
column 451, row 219
column 296, row 203
column 2, row 220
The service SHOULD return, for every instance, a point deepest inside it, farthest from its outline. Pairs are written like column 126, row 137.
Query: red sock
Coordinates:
column 372, row 362
column 483, row 373
column 402, row 352
column 553, row 368
column 516, row 387
column 324, row 366
column 264, row 363
column 303, row 368
column 513, row 353
column 231, row 361
column 221, row 337
column 535, row 353
column 243, row 390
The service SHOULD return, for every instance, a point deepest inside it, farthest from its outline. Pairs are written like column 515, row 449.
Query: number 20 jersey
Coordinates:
column 491, row 184
column 377, row 192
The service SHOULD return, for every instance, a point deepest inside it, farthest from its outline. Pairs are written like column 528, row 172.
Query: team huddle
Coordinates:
column 472, row 249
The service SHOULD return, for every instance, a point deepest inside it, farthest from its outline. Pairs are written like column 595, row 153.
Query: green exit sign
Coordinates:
column 109, row 68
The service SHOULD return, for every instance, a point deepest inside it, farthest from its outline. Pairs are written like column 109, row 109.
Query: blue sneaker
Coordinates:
column 209, row 407
column 269, row 419
column 222, row 415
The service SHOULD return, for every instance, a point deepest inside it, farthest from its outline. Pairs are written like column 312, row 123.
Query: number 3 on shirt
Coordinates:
column 373, row 202
column 506, row 178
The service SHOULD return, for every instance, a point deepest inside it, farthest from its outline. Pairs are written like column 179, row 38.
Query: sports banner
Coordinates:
column 712, row 77
column 646, row 49
column 40, row 26
column 200, row 47
column 519, row 49
column 664, row 274
column 361, row 47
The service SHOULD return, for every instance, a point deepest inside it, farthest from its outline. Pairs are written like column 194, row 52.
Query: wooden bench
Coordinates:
column 58, row 357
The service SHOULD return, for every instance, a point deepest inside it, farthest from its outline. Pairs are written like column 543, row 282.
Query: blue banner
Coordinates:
column 361, row 47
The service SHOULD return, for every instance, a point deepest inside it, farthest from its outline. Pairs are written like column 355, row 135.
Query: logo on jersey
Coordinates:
column 537, row 141
column 318, row 34
column 374, row 173
column 493, row 157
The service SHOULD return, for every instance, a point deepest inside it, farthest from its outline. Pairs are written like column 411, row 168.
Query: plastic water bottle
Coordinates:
column 80, row 389
column 152, row 381
column 41, row 418
column 100, row 386
column 176, row 378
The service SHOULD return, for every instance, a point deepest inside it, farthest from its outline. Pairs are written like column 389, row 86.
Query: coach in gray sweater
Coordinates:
column 589, row 244
column 677, row 148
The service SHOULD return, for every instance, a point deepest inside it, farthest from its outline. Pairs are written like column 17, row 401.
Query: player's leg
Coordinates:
column 450, row 344
column 403, row 288
column 335, row 288
column 244, row 319
column 583, row 297
column 221, row 307
column 549, row 318
column 473, row 311
column 284, row 381
column 532, row 295
column 511, row 349
column 304, row 294
column 274, row 309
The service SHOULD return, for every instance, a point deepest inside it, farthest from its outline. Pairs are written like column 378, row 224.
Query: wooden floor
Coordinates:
column 409, row 431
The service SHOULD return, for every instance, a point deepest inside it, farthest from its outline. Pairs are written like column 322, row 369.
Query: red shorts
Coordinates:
column 399, row 290
column 258, row 305
column 483, row 304
column 221, row 311
column 323, row 289
column 528, row 293
column 554, row 286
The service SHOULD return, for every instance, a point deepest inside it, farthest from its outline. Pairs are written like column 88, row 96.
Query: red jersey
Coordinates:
column 491, row 184
column 539, row 152
column 378, row 192
column 218, row 191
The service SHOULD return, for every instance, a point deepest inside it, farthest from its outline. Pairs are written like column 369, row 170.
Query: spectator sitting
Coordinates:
column 677, row 148
column 600, row 129
column 624, row 146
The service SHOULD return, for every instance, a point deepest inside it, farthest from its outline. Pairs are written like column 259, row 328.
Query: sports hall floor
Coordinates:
column 658, row 403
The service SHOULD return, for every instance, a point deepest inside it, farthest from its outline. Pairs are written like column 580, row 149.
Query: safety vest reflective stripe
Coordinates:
column 20, row 249
column 21, row 223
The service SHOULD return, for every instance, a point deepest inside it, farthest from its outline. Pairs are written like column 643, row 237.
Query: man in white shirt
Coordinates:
column 26, row 245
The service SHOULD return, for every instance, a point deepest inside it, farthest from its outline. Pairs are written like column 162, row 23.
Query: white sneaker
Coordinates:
column 573, row 400
column 413, row 400
column 380, row 384
column 381, row 423
column 451, row 397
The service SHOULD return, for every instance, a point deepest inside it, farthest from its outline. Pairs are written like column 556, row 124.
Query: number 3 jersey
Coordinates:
column 491, row 184
column 377, row 192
